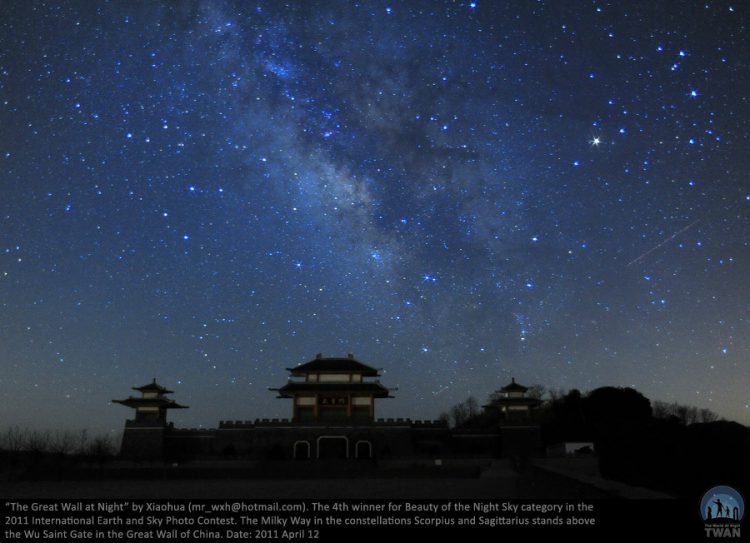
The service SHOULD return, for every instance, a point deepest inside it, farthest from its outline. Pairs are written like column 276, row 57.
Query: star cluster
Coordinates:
column 457, row 192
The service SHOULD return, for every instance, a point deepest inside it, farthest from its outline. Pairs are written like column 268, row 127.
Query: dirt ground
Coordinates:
column 500, row 484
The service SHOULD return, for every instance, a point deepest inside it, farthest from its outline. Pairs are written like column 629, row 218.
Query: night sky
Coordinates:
column 458, row 193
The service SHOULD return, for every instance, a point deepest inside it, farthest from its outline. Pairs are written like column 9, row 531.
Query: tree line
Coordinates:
column 15, row 441
column 469, row 413
column 677, row 448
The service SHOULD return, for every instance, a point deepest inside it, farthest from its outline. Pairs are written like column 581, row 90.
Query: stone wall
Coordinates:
column 142, row 441
column 277, row 439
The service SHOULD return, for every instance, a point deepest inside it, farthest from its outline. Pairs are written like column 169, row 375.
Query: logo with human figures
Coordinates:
column 722, row 509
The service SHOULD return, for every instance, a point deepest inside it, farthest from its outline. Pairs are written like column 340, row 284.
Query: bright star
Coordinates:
column 595, row 141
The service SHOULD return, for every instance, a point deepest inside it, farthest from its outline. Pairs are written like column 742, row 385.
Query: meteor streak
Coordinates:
column 663, row 242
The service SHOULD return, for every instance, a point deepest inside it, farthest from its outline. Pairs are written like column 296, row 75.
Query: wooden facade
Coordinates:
column 333, row 390
column 152, row 405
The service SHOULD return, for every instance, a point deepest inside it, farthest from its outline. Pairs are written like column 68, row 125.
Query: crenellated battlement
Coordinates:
column 333, row 419
column 385, row 422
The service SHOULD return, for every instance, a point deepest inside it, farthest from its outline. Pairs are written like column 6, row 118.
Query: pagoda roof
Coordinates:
column 291, row 388
column 153, row 386
column 514, row 387
column 334, row 365
column 150, row 402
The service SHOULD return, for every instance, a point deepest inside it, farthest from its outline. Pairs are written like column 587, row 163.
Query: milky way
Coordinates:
column 458, row 193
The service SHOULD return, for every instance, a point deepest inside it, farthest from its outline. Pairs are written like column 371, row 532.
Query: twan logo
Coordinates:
column 722, row 509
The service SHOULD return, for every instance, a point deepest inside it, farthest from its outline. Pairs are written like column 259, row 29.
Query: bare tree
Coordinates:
column 82, row 445
column 472, row 407
column 706, row 415
column 62, row 443
column 13, row 439
column 536, row 391
column 460, row 414
column 660, row 410
column 556, row 393
column 100, row 449
column 38, row 442
column 686, row 414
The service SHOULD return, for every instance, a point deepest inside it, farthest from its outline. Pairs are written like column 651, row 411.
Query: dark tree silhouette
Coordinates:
column 610, row 406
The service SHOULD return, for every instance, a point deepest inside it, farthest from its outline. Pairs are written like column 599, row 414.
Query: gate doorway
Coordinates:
column 302, row 450
column 363, row 450
column 333, row 447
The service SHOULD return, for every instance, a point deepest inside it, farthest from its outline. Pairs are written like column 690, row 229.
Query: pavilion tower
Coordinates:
column 333, row 390
column 143, row 437
column 512, row 403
